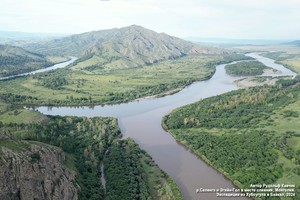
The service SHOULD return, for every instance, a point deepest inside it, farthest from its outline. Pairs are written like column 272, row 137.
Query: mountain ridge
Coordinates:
column 130, row 46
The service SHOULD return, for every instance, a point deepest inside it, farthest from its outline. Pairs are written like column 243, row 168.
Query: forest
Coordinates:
column 246, row 134
column 89, row 141
column 249, row 68
column 12, row 65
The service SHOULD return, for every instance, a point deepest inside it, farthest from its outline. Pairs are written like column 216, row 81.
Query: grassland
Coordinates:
column 22, row 116
column 19, row 115
column 102, row 86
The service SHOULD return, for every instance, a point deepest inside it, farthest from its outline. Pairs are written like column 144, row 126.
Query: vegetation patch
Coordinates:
column 129, row 169
column 15, row 60
column 77, row 86
column 250, row 68
column 85, row 142
column 250, row 135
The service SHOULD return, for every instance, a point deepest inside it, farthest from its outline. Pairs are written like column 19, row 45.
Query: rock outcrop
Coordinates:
column 34, row 171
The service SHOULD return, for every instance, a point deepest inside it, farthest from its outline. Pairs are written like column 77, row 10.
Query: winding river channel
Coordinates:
column 141, row 120
column 53, row 67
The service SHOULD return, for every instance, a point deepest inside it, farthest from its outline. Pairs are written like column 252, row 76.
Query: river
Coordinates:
column 141, row 120
column 53, row 67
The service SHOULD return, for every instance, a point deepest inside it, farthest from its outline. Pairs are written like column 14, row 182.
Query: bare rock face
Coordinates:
column 34, row 171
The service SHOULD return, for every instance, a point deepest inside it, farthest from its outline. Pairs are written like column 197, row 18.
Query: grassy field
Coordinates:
column 112, row 85
column 19, row 115
column 22, row 116
column 57, row 59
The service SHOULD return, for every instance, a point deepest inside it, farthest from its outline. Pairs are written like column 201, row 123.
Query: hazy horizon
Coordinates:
column 227, row 19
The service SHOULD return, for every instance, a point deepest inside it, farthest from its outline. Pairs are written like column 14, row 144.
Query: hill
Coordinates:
column 126, row 64
column 296, row 42
column 15, row 60
column 130, row 46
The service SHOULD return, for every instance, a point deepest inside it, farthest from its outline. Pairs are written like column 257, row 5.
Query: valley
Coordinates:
column 138, row 156
column 15, row 61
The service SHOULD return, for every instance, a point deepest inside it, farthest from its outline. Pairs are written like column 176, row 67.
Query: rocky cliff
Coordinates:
column 30, row 170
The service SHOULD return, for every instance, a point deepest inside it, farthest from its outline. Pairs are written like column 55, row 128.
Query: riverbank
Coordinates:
column 198, row 154
column 255, row 81
column 211, row 139
column 73, row 87
column 141, row 121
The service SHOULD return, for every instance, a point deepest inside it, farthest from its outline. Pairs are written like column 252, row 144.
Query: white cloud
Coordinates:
column 206, row 18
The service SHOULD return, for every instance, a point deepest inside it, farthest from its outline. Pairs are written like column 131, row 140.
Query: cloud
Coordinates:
column 205, row 18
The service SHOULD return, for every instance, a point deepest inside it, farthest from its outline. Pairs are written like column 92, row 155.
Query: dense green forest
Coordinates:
column 250, row 135
column 129, row 169
column 85, row 142
column 249, row 68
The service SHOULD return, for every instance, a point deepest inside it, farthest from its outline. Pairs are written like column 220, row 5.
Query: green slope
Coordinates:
column 126, row 47
column 15, row 60
column 80, row 87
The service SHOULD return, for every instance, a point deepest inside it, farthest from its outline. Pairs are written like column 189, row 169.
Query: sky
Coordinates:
column 234, row 19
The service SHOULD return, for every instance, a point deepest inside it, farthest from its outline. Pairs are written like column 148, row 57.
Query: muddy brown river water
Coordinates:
column 141, row 120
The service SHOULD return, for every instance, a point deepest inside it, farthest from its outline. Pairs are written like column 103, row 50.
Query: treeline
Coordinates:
column 28, row 100
column 13, row 65
column 16, row 99
column 249, row 68
column 58, row 79
column 246, row 158
column 89, row 141
column 123, row 172
column 54, row 82
column 237, row 109
column 143, row 91
column 54, row 79
column 230, row 132
column 235, row 57
column 127, row 169
column 86, row 139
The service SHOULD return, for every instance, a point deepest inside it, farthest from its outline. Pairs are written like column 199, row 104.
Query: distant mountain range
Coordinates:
column 22, row 38
column 296, row 42
column 16, row 60
column 128, row 46
column 24, row 35
column 226, row 41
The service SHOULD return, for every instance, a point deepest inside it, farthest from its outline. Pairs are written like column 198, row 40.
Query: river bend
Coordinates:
column 141, row 120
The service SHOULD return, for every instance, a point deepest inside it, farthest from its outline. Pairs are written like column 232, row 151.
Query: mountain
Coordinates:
column 15, row 60
column 296, row 42
column 129, row 46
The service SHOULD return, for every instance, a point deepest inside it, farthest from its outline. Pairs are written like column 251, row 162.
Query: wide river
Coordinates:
column 141, row 120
